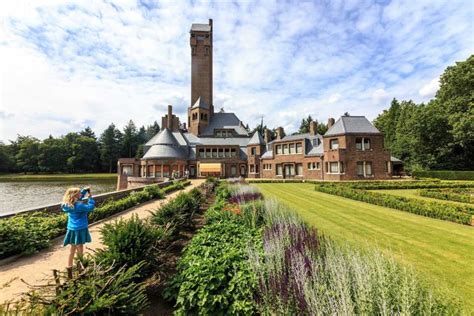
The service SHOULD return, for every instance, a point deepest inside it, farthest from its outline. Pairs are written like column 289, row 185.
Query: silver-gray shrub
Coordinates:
column 300, row 272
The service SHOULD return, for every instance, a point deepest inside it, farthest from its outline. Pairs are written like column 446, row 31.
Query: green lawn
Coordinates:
column 409, row 193
column 57, row 177
column 442, row 252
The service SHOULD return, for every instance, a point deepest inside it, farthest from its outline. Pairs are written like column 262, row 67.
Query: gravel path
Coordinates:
column 34, row 268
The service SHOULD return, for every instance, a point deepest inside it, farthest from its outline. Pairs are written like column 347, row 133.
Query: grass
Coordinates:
column 414, row 194
column 442, row 252
column 57, row 177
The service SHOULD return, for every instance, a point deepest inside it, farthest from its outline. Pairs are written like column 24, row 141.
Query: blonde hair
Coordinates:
column 70, row 197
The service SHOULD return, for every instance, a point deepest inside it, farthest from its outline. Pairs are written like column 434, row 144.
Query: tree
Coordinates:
column 83, row 153
column 7, row 160
column 110, row 146
column 129, row 140
column 88, row 133
column 152, row 130
column 304, row 126
column 28, row 154
column 52, row 156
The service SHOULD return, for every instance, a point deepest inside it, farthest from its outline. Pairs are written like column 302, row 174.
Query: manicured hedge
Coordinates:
column 28, row 233
column 454, row 213
column 399, row 185
column 445, row 174
column 458, row 195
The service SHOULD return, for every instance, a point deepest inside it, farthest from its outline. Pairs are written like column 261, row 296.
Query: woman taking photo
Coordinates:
column 77, row 224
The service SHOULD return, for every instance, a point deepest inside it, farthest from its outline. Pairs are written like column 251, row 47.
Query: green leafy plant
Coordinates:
column 130, row 242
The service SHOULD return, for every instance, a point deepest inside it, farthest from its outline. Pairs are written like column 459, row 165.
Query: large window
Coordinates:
column 278, row 149
column 368, row 168
column 279, row 170
column 334, row 167
column 299, row 169
column 364, row 168
column 313, row 165
column 220, row 152
column 334, row 143
column 208, row 153
column 227, row 153
column 285, row 149
column 292, row 148
column 214, row 152
column 299, row 148
column 202, row 153
column 233, row 152
column 363, row 143
column 253, row 151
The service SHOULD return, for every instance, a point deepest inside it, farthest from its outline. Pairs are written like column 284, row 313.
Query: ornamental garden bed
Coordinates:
column 121, row 278
column 464, row 195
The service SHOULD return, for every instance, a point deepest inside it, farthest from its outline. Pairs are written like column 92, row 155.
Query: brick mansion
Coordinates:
column 217, row 143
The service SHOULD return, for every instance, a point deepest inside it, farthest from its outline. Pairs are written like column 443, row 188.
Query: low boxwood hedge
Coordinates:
column 457, row 195
column 454, row 213
column 445, row 174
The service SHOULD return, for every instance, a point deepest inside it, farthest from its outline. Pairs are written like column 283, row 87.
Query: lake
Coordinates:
column 16, row 196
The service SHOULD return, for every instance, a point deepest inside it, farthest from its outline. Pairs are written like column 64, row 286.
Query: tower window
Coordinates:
column 193, row 50
column 206, row 50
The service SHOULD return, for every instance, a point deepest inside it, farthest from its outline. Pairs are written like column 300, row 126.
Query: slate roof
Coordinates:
column 200, row 27
column 352, row 125
column 225, row 121
column 164, row 145
column 200, row 104
column 394, row 159
column 256, row 139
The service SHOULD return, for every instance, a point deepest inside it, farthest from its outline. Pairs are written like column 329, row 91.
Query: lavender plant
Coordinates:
column 303, row 273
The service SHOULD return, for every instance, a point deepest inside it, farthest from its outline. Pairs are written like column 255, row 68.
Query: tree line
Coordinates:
column 438, row 135
column 76, row 152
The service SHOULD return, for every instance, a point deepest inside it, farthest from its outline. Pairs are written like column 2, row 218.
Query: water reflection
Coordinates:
column 16, row 196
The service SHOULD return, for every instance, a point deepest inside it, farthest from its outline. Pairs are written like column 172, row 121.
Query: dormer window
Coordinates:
column 316, row 142
column 334, row 143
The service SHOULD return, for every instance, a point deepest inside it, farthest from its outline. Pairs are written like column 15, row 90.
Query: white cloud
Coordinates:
column 429, row 89
column 68, row 63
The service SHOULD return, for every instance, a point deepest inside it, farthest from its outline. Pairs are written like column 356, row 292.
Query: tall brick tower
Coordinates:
column 201, row 109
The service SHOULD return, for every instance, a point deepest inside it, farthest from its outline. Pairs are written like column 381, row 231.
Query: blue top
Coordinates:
column 77, row 215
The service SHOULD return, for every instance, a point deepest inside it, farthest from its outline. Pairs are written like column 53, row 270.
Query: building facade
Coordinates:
column 217, row 143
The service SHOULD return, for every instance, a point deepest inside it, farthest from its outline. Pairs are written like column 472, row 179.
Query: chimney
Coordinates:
column 267, row 136
column 330, row 122
column 279, row 132
column 169, row 122
column 313, row 127
column 210, row 24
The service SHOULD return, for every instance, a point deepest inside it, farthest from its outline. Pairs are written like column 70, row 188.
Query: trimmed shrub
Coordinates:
column 454, row 213
column 445, row 174
column 458, row 195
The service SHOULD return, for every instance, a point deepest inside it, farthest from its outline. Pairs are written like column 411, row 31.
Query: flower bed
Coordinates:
column 455, row 213
column 28, row 233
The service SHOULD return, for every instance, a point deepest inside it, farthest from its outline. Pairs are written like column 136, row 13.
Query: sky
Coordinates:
column 66, row 65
